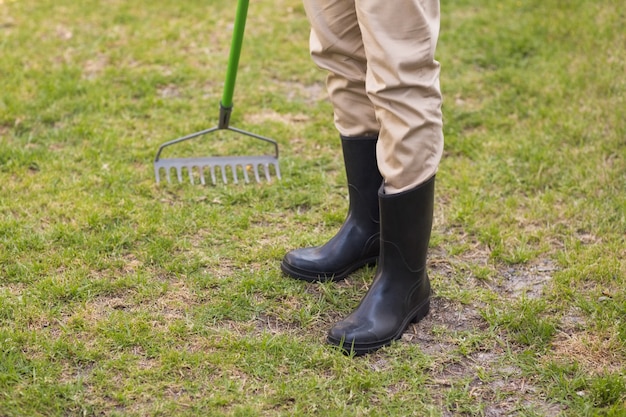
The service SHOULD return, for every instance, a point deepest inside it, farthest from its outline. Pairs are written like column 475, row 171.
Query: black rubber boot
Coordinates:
column 356, row 244
column 400, row 292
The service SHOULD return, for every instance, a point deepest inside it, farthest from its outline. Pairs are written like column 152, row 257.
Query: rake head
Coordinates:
column 219, row 167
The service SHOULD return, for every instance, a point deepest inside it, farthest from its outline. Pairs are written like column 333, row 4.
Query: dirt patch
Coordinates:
column 92, row 68
column 483, row 368
column 309, row 93
column 169, row 91
column 272, row 116
column 527, row 280
column 444, row 319
column 274, row 325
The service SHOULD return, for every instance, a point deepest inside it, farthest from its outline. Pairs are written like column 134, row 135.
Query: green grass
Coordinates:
column 122, row 297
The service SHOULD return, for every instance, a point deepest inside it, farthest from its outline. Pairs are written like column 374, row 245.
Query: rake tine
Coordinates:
column 266, row 168
column 224, row 175
column 167, row 175
column 202, row 181
column 233, row 167
column 255, row 168
column 245, row 173
column 213, row 180
column 277, row 170
column 190, row 172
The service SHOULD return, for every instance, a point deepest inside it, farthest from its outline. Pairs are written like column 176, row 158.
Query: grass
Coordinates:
column 121, row 297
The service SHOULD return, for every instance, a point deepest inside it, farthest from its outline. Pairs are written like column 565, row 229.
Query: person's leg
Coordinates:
column 403, row 84
column 336, row 46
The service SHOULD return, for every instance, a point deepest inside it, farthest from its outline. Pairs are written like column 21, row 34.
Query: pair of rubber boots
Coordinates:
column 390, row 230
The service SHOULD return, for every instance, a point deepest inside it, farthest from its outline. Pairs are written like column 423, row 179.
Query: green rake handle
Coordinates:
column 235, row 52
column 226, row 104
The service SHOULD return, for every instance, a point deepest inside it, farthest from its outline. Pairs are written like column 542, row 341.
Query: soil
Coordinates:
column 504, row 391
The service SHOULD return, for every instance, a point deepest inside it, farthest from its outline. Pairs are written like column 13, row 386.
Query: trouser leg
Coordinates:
column 383, row 77
column 336, row 46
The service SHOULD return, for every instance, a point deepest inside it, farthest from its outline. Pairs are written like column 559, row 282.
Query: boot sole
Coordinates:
column 358, row 349
column 311, row 276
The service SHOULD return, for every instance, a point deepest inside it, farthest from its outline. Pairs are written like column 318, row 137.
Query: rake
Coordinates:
column 219, row 167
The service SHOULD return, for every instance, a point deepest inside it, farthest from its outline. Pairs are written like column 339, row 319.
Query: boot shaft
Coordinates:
column 406, row 223
column 359, row 155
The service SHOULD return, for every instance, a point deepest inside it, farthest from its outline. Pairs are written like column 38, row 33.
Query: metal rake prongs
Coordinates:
column 218, row 168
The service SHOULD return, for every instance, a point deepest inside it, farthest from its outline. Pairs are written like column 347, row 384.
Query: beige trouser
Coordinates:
column 383, row 78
